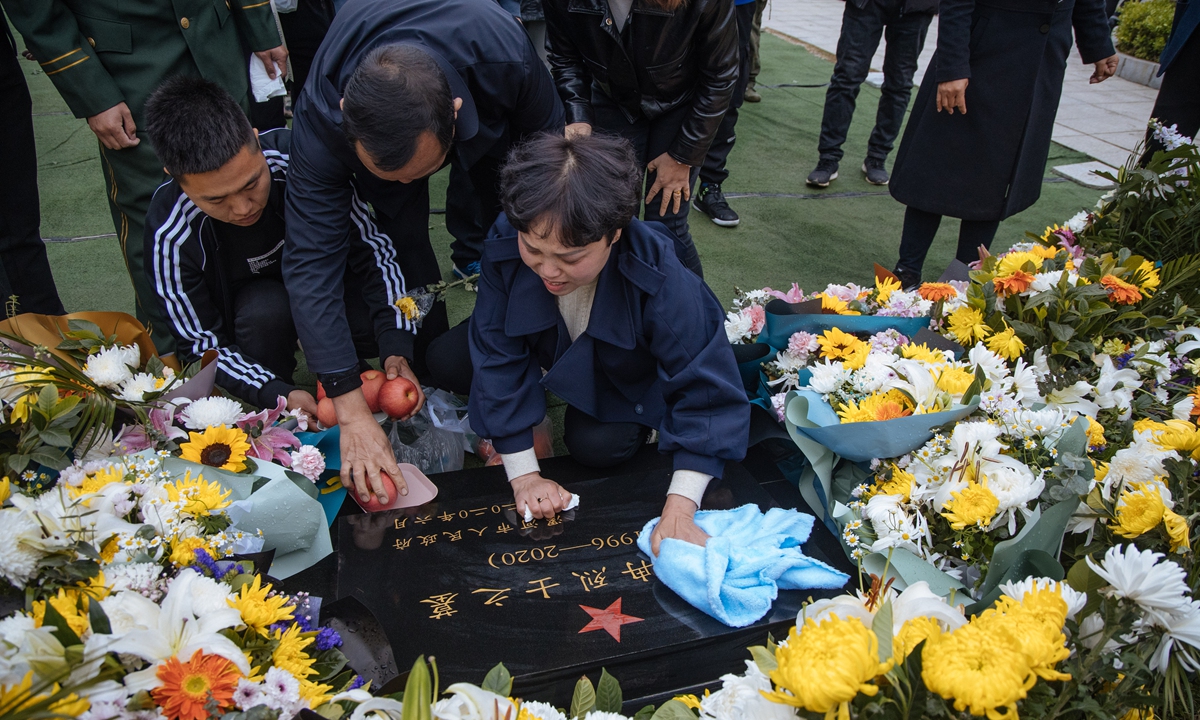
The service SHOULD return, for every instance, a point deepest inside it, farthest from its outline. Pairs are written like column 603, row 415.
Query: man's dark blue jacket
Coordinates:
column 654, row 352
column 507, row 93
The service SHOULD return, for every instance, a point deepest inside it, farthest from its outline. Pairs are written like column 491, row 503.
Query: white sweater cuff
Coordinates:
column 520, row 463
column 690, row 484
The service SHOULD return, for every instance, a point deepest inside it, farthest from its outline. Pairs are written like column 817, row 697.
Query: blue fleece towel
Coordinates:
column 748, row 559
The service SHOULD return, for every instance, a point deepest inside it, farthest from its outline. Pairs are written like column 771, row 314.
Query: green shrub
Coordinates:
column 1143, row 28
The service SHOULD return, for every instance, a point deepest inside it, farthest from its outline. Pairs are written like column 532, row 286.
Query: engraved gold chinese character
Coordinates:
column 528, row 525
column 638, row 573
column 498, row 595
column 428, row 539
column 399, row 523
column 592, row 579
column 423, row 520
column 445, row 517
column 441, row 605
column 454, row 536
column 542, row 587
column 479, row 531
column 402, row 544
column 503, row 528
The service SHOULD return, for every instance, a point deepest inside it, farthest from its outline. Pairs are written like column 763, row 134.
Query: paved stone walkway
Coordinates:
column 1106, row 120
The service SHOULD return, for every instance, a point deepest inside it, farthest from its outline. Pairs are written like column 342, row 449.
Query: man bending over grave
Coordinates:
column 214, row 247
column 574, row 284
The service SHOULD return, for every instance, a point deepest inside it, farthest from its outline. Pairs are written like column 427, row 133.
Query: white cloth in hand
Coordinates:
column 570, row 506
column 261, row 84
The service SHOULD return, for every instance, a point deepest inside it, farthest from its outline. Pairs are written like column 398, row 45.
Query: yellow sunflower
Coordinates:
column 220, row 447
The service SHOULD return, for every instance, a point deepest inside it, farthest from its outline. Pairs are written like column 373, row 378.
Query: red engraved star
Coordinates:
column 610, row 619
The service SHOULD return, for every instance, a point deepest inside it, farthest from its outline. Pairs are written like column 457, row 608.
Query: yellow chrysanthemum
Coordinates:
column 1147, row 277
column 5, row 490
column 901, row 483
column 1036, row 622
column 183, row 552
column 1044, row 252
column 973, row 506
column 967, row 326
column 200, row 496
column 825, row 666
column 877, row 406
column 289, row 653
column 109, row 549
column 955, row 380
column 980, row 667
column 15, row 698
column 691, row 701
column 884, row 287
column 65, row 605
column 837, row 345
column 219, row 447
column 95, row 482
column 1006, row 344
column 1135, row 714
column 1182, row 437
column 1015, row 261
column 1139, row 510
column 1095, row 433
column 1177, row 531
column 912, row 633
column 922, row 352
column 259, row 611
column 1099, row 471
column 314, row 693
column 408, row 308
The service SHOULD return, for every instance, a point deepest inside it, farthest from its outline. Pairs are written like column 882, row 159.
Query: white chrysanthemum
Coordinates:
column 211, row 412
column 281, row 691
column 737, row 327
column 1011, row 481
column 248, row 694
column 541, row 711
column 788, row 362
column 109, row 368
column 135, row 388
column 1141, row 462
column 978, row 439
column 1078, row 222
column 1024, row 386
column 741, row 696
column 1017, row 590
column 18, row 557
column 127, row 611
column 1181, row 629
column 131, row 355
column 827, row 376
column 599, row 715
column 14, row 627
column 1159, row 588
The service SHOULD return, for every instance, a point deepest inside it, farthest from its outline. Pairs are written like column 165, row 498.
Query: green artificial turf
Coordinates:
column 812, row 237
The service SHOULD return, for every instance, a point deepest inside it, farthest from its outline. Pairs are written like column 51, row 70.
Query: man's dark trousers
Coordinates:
column 862, row 29
column 24, row 268
column 713, row 170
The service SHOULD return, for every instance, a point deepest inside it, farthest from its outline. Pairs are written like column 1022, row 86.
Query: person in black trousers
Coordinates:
column 904, row 23
column 1178, row 101
column 660, row 73
column 24, row 268
column 1005, row 61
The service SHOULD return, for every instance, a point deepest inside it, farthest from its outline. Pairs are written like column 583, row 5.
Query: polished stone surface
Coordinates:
column 466, row 580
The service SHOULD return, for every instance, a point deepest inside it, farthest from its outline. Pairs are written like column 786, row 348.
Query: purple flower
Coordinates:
column 794, row 295
column 328, row 639
column 143, row 436
column 359, row 681
column 267, row 440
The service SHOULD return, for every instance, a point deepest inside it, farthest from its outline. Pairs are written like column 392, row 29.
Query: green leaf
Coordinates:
column 56, row 437
column 1083, row 578
column 882, row 627
column 498, row 680
column 62, row 631
column 47, row 398
column 418, row 692
column 764, row 659
column 98, row 618
column 608, row 693
column 674, row 710
column 1074, row 440
column 583, row 701
column 84, row 329
column 1062, row 332
column 645, row 713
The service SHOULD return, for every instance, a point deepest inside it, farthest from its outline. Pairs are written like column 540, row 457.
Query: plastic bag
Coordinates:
column 433, row 439
column 543, row 444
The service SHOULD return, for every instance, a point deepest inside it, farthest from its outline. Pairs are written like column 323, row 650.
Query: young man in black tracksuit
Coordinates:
column 214, row 248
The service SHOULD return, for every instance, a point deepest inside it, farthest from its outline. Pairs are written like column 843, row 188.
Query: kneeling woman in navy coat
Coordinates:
column 632, row 340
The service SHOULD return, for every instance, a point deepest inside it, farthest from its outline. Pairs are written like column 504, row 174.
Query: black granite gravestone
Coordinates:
column 465, row 579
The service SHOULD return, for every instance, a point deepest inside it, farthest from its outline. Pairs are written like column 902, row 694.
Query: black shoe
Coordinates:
column 873, row 169
column 825, row 173
column 909, row 280
column 711, row 201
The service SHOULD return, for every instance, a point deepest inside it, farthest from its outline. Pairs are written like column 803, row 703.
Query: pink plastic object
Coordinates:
column 420, row 491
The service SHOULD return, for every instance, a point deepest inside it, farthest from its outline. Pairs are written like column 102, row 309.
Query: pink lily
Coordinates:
column 161, row 429
column 269, row 441
column 794, row 295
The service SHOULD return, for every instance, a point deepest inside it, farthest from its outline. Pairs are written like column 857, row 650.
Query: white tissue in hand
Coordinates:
column 570, row 506
column 261, row 84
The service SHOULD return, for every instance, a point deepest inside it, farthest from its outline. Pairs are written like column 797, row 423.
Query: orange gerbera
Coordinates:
column 1119, row 291
column 934, row 292
column 1195, row 405
column 1017, row 282
column 188, row 688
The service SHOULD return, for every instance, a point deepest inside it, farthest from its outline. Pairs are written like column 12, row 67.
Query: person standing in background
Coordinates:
column 1004, row 60
column 751, row 93
column 105, row 57
column 26, row 283
column 904, row 23
column 709, row 199
column 1178, row 101
column 660, row 73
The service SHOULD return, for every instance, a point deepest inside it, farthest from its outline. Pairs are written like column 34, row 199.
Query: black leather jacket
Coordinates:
column 660, row 61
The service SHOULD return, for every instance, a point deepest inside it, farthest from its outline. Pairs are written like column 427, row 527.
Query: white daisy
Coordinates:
column 541, row 711
column 1159, row 588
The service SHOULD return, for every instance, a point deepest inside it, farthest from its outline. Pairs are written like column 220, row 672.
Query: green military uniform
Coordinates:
column 100, row 53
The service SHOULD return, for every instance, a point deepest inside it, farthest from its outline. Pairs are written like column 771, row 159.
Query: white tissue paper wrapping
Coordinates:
column 570, row 506
column 261, row 84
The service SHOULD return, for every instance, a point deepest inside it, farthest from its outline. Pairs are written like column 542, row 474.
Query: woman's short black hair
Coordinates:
column 396, row 93
column 586, row 188
column 196, row 126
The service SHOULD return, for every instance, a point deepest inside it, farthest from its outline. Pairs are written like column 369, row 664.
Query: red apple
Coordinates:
column 372, row 380
column 494, row 460
column 373, row 505
column 325, row 412
column 320, row 391
column 397, row 398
